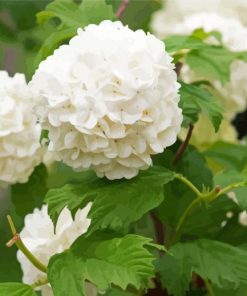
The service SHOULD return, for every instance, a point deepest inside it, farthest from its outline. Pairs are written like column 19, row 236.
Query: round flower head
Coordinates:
column 175, row 11
column 20, row 150
column 109, row 100
column 39, row 237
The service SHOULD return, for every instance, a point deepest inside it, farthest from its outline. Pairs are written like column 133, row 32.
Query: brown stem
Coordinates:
column 159, row 229
column 183, row 146
column 13, row 240
column 178, row 68
column 122, row 8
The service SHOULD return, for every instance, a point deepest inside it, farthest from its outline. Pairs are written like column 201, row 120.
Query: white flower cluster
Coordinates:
column 39, row 237
column 20, row 150
column 109, row 100
column 175, row 11
column 234, row 37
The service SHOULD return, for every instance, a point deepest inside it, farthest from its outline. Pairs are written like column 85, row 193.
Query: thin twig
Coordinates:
column 159, row 229
column 21, row 246
column 122, row 8
column 178, row 68
column 182, row 148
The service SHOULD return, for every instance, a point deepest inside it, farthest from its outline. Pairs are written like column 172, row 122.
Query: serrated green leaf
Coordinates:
column 195, row 100
column 118, row 292
column 116, row 204
column 204, row 221
column 208, row 61
column 16, row 289
column 224, row 265
column 102, row 260
column 77, row 15
column 180, row 42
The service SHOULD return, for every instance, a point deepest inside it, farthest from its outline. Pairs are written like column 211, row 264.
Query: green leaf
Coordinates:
column 195, row 99
column 228, row 177
column 233, row 233
column 116, row 204
column 209, row 61
column 118, row 292
column 137, row 14
column 205, row 220
column 53, row 41
column 224, row 265
column 16, row 289
column 102, row 260
column 229, row 156
column 25, row 197
column 241, row 291
column 77, row 15
column 180, row 42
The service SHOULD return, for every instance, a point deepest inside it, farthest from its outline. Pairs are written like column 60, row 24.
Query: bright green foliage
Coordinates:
column 16, row 289
column 76, row 15
column 195, row 100
column 185, row 43
column 26, row 197
column 116, row 204
column 213, row 62
column 232, row 176
column 208, row 61
column 224, row 265
column 72, row 16
column 137, row 14
column 229, row 156
column 180, row 42
column 103, row 261
column 205, row 220
column 118, row 292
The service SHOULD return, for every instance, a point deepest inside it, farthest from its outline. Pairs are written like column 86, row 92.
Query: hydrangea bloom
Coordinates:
column 242, row 219
column 175, row 11
column 20, row 150
column 109, row 100
column 39, row 237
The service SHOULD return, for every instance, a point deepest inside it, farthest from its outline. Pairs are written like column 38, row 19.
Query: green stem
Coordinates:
column 189, row 184
column 182, row 220
column 20, row 245
column 40, row 283
column 231, row 187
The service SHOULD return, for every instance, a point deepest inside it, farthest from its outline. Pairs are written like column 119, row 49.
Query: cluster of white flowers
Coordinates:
column 234, row 37
column 175, row 11
column 20, row 150
column 39, row 237
column 109, row 100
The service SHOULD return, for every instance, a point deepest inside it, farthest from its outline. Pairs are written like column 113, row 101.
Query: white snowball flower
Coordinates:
column 39, row 237
column 109, row 100
column 242, row 218
column 175, row 11
column 20, row 150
